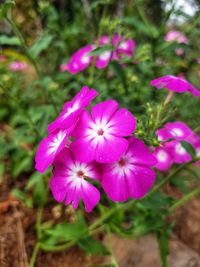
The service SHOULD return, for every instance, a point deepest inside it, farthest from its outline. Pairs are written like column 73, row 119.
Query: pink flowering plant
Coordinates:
column 99, row 123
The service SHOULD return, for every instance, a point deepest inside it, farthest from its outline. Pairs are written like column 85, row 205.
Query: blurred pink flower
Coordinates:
column 2, row 58
column 176, row 84
column 179, row 51
column 17, row 66
column 176, row 36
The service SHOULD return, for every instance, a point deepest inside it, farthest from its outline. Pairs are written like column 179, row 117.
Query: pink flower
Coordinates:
column 69, row 182
column 17, row 66
column 175, row 84
column 79, row 61
column 179, row 51
column 100, row 135
column 177, row 130
column 198, row 60
column 49, row 147
column 164, row 158
column 131, row 176
column 176, row 36
column 180, row 155
column 2, row 58
column 72, row 109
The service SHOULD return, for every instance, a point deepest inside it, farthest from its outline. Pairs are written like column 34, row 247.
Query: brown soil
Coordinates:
column 17, row 240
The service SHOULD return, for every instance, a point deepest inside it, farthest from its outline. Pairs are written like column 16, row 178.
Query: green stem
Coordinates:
column 34, row 255
column 185, row 199
column 38, row 232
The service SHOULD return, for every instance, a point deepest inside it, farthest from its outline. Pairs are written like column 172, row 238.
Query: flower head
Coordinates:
column 79, row 61
column 100, row 135
column 177, row 130
column 179, row 153
column 17, row 66
column 70, row 181
column 176, row 36
column 131, row 176
column 175, row 84
column 72, row 109
column 164, row 158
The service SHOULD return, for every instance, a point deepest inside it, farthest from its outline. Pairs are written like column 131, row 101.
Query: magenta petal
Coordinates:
column 175, row 84
column 48, row 148
column 140, row 181
column 82, row 125
column 164, row 158
column 90, row 196
column 140, row 153
column 110, row 150
column 123, row 123
column 104, row 110
column 83, row 150
column 58, row 188
column 115, row 187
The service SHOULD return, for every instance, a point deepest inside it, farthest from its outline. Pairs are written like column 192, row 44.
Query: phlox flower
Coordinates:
column 164, row 158
column 175, row 84
column 80, row 60
column 72, row 109
column 176, row 36
column 70, row 181
column 60, row 129
column 17, row 66
column 179, row 153
column 131, row 176
column 198, row 60
column 177, row 130
column 100, row 136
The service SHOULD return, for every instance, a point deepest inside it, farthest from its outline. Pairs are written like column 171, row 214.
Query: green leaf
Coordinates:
column 40, row 45
column 23, row 165
column 93, row 246
column 33, row 180
column 189, row 148
column 7, row 40
column 5, row 6
column 100, row 50
column 65, row 232
column 40, row 192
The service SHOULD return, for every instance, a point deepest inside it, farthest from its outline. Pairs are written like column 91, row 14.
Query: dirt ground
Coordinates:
column 17, row 241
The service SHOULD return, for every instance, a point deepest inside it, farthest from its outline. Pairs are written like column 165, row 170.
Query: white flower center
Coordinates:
column 180, row 149
column 162, row 156
column 71, row 109
column 99, row 131
column 123, row 45
column 57, row 140
column 177, row 132
column 85, row 59
column 105, row 55
column 77, row 174
column 124, row 166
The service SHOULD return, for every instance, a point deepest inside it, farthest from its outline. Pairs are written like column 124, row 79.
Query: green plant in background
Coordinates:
column 32, row 97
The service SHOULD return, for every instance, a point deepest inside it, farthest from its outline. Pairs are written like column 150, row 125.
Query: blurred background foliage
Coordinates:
column 44, row 34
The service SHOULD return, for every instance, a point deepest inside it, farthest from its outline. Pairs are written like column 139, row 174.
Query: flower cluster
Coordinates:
column 171, row 150
column 82, row 58
column 97, row 145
